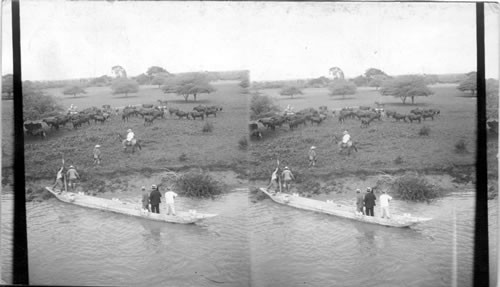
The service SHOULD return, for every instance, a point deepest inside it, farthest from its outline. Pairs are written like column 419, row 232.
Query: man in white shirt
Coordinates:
column 130, row 135
column 169, row 200
column 384, row 204
column 274, row 180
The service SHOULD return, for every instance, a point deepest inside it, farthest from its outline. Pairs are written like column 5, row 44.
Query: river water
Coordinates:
column 250, row 243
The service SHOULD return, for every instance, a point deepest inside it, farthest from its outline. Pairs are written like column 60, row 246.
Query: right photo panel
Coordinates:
column 363, row 128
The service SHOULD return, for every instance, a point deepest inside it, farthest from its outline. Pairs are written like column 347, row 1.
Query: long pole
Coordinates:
column 20, row 274
column 481, row 247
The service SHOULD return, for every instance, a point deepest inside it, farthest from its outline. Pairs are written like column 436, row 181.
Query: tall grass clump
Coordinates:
column 198, row 184
column 207, row 127
column 424, row 131
column 410, row 186
column 243, row 143
column 461, row 147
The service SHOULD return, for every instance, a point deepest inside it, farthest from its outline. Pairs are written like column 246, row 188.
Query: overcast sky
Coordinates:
column 273, row 40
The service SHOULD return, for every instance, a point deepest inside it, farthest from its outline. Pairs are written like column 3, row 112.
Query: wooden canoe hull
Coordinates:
column 341, row 210
column 127, row 208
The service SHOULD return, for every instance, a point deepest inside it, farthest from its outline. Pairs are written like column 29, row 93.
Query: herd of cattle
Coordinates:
column 316, row 116
column 148, row 112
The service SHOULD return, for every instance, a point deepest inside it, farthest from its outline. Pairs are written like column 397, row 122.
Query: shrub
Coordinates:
column 207, row 127
column 461, row 147
column 410, row 186
column 398, row 160
column 243, row 143
column 198, row 184
column 424, row 131
column 183, row 157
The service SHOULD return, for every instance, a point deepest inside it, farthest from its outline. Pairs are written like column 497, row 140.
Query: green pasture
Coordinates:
column 385, row 146
column 167, row 143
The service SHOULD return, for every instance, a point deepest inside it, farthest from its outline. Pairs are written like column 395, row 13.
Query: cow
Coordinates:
column 148, row 120
column 147, row 106
column 172, row 111
column 267, row 122
column 99, row 118
column 315, row 119
column 200, row 108
column 427, row 115
column 195, row 115
column 181, row 114
column 211, row 111
column 36, row 128
column 414, row 117
column 253, row 128
column 399, row 117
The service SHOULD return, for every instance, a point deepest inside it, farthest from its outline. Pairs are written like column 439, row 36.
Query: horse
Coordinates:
column 134, row 143
column 342, row 147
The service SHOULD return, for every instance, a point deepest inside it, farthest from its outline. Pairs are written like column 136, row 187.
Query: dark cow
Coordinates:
column 366, row 122
column 315, row 119
column 427, row 115
column 253, row 128
column 364, row 108
column 200, row 108
column 413, row 117
column 195, row 115
column 211, row 111
column 36, row 128
column 181, row 114
column 267, row 122
column 399, row 117
column 147, row 106
column 172, row 111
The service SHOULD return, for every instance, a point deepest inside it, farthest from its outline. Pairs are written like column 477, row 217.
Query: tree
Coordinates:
column 37, row 104
column 119, row 71
column 290, row 91
column 160, row 78
column 124, row 86
column 361, row 81
column 469, row 83
column 371, row 72
column 154, row 70
column 261, row 105
column 336, row 73
column 74, row 90
column 8, row 85
column 103, row 80
column 404, row 87
column 142, row 79
column 377, row 80
column 188, row 84
column 318, row 82
column 341, row 87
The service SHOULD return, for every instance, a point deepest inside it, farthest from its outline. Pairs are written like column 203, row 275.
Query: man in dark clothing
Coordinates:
column 369, row 202
column 154, row 199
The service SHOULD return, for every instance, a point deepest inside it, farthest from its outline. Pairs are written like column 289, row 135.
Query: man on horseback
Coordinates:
column 128, row 140
column 346, row 141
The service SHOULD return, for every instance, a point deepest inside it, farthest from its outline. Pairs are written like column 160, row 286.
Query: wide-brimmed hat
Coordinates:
column 345, row 132
column 286, row 167
column 358, row 190
column 368, row 189
column 71, row 166
column 97, row 145
column 153, row 186
column 143, row 188
column 129, row 130
column 313, row 147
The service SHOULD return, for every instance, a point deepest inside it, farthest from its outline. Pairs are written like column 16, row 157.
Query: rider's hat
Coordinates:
column 286, row 167
column 97, row 145
column 143, row 188
column 313, row 147
column 368, row 189
column 357, row 190
column 345, row 132
column 129, row 130
column 153, row 186
column 71, row 166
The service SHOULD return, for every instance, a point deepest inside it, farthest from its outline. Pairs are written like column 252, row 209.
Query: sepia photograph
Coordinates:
column 249, row 143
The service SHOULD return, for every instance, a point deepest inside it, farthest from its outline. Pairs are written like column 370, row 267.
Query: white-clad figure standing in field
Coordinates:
column 346, row 141
column 128, row 140
column 384, row 204
column 169, row 200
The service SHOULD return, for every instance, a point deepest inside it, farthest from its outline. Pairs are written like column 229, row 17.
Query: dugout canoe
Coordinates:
column 340, row 210
column 127, row 208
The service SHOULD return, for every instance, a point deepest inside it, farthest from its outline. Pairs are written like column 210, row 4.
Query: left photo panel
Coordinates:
column 135, row 136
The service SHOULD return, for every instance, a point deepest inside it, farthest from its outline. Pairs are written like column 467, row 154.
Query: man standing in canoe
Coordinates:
column 72, row 176
column 369, row 201
column 59, row 179
column 145, row 199
column 384, row 204
column 169, row 200
column 274, row 180
column 155, row 199
column 287, row 178
column 360, row 201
